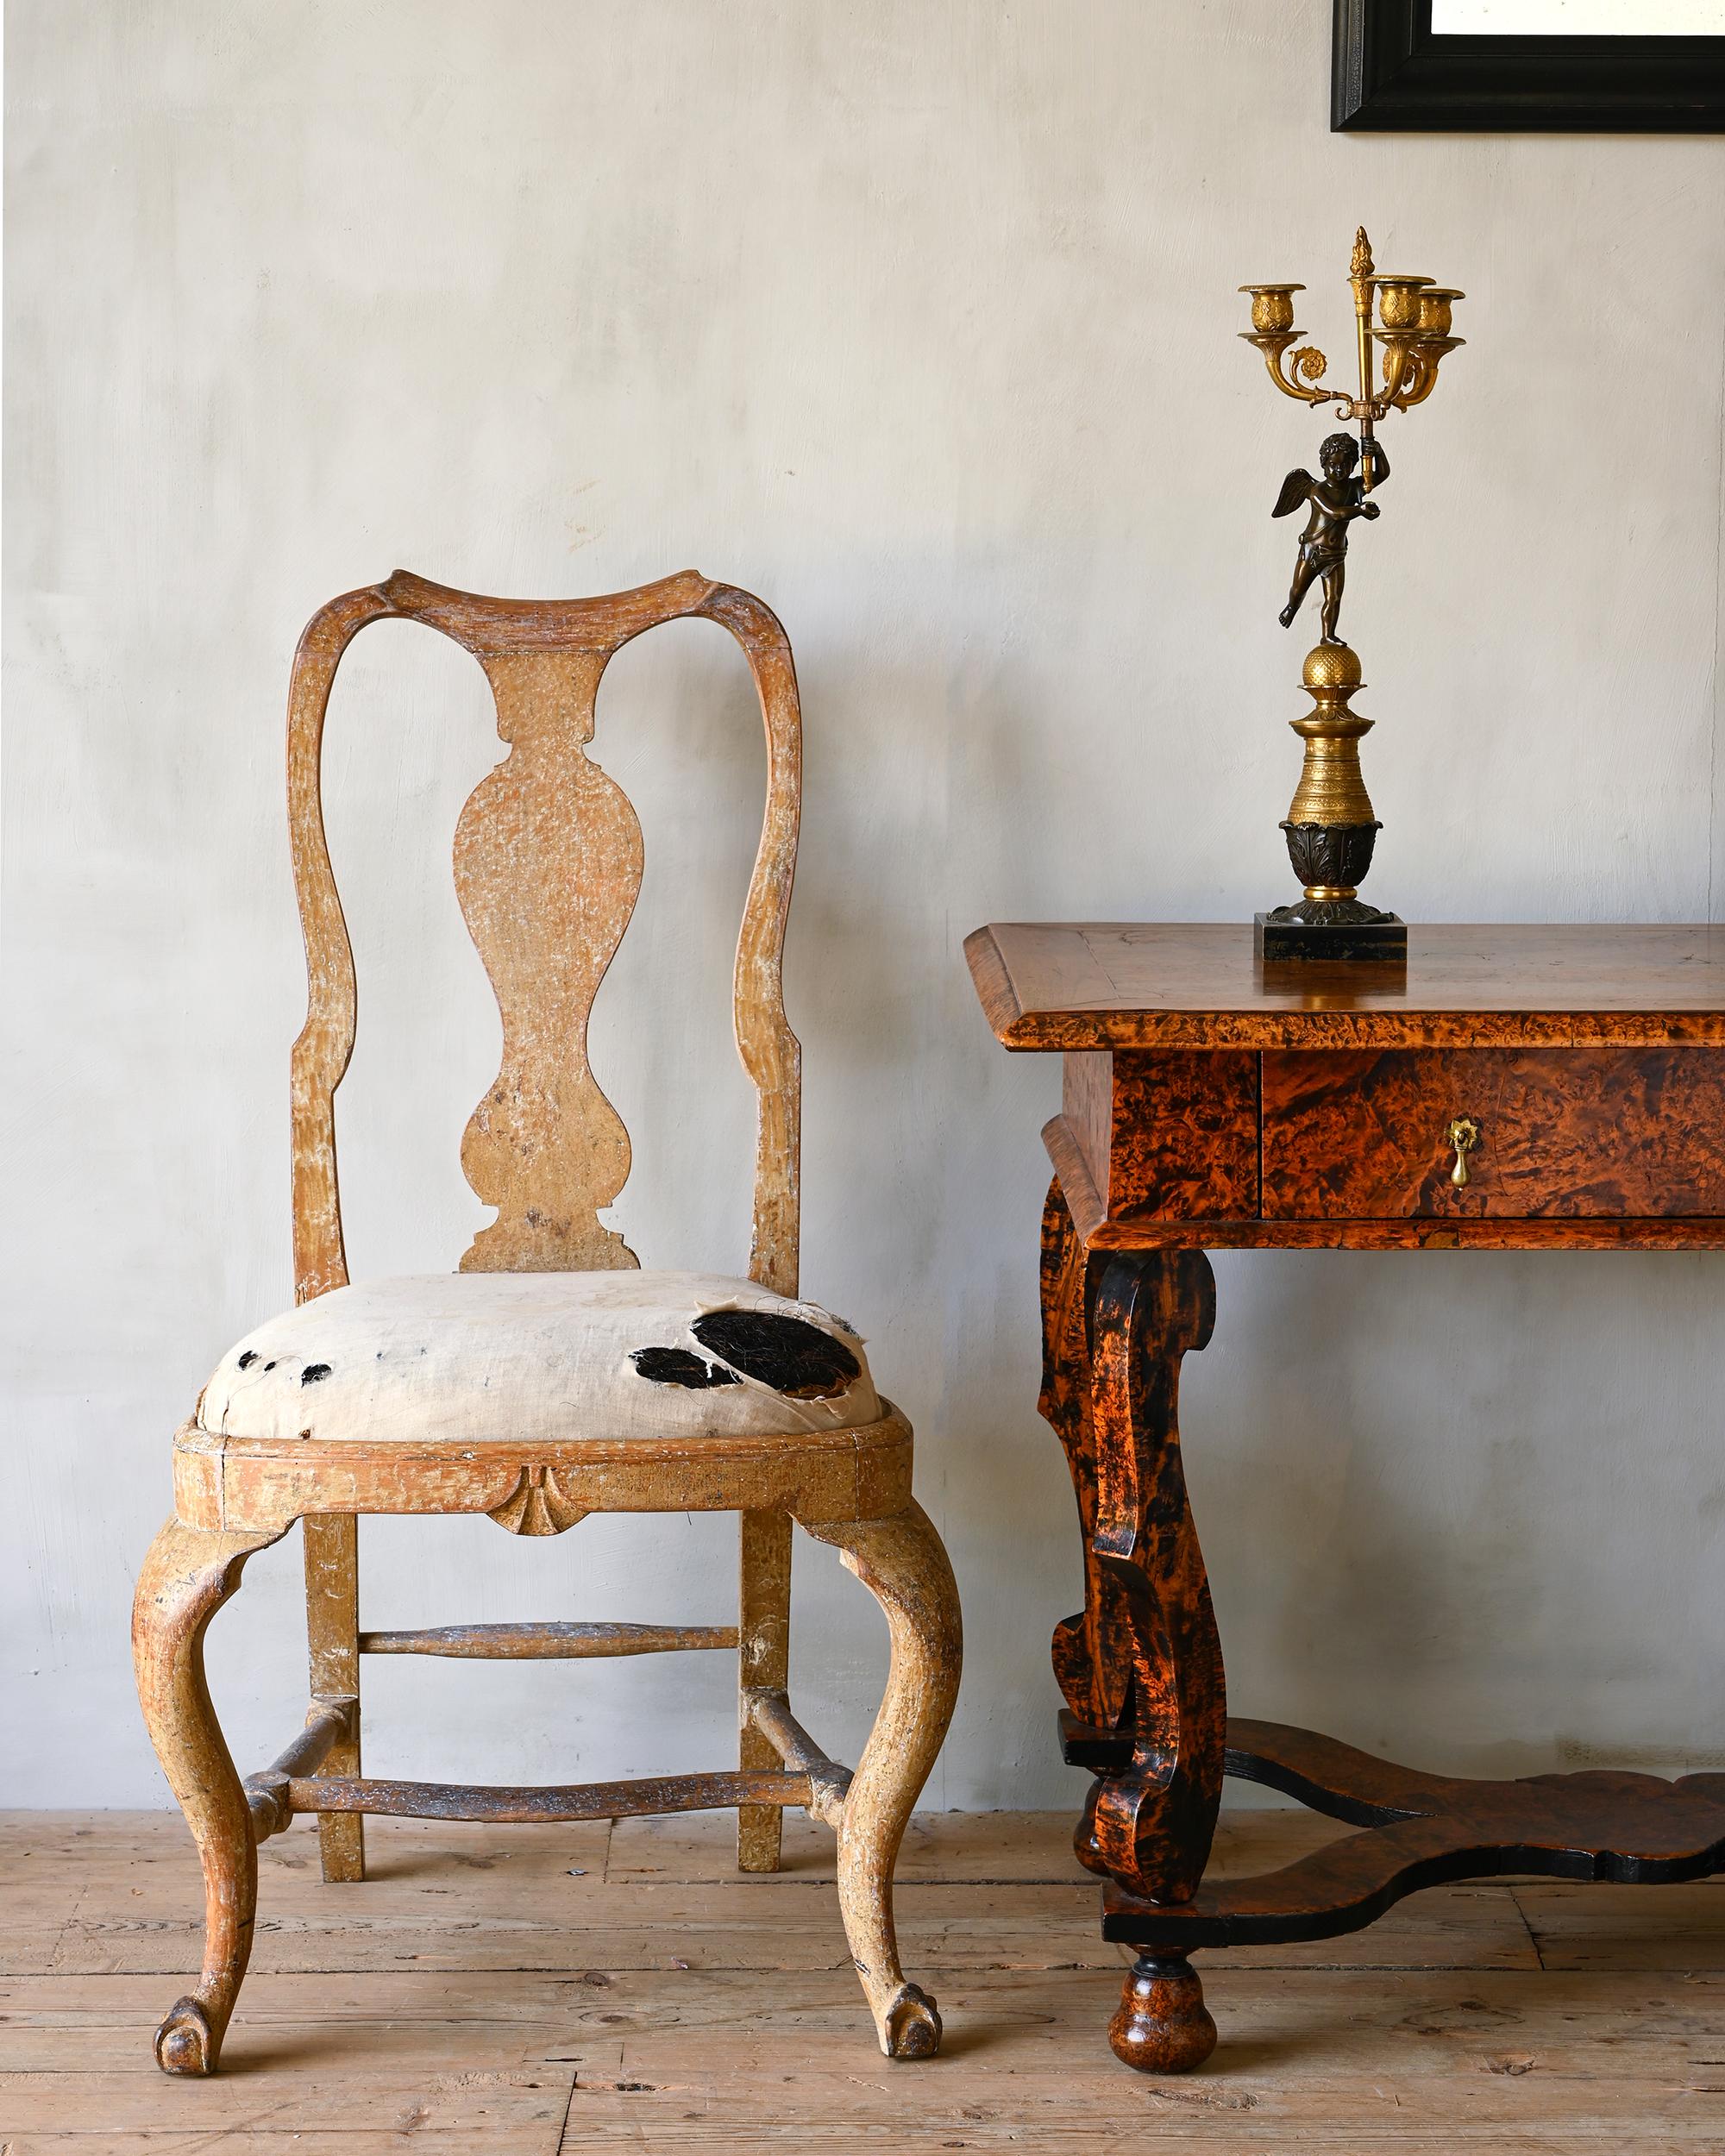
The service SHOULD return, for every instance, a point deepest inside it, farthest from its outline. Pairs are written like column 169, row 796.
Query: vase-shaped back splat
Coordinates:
column 547, row 869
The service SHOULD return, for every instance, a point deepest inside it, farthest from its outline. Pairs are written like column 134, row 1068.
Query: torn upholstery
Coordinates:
column 543, row 1355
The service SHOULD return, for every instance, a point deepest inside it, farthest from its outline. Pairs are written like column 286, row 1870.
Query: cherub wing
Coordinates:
column 1295, row 489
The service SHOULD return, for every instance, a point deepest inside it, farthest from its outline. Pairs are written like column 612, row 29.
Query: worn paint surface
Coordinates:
column 899, row 1558
column 522, row 1398
column 561, row 1641
column 547, row 866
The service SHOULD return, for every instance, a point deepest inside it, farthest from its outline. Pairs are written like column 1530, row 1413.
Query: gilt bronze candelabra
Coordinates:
column 1330, row 827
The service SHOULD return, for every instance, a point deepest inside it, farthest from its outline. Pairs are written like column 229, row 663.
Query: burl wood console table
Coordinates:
column 1516, row 1088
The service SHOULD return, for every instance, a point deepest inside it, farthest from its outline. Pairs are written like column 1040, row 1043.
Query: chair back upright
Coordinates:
column 548, row 864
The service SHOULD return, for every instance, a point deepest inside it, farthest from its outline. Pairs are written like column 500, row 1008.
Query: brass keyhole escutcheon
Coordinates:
column 1463, row 1137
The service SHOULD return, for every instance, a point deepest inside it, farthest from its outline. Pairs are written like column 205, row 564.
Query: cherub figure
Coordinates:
column 1336, row 499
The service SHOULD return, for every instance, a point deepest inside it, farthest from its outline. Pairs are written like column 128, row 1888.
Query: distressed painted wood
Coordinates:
column 903, row 1564
column 898, row 1557
column 261, row 1484
column 327, row 1723
column 1564, row 1133
column 332, row 1631
column 1210, row 1100
column 554, row 1642
column 185, row 1579
column 770, row 1713
column 763, row 1663
column 515, row 1805
column 548, row 868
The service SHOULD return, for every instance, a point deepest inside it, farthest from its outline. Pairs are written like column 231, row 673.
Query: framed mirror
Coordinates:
column 1600, row 66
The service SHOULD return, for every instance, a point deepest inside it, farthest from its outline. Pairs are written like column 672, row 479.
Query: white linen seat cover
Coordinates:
column 543, row 1358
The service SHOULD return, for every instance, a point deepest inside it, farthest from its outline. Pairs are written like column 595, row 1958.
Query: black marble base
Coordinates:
column 1385, row 938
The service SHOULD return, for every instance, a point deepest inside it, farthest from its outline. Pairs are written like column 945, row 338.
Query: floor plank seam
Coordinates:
column 1528, row 1926
column 556, row 2147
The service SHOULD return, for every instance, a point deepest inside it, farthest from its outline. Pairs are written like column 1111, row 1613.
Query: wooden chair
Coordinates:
column 549, row 1378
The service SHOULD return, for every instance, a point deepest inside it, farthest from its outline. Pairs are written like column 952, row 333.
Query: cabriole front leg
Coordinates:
column 186, row 1577
column 902, row 1561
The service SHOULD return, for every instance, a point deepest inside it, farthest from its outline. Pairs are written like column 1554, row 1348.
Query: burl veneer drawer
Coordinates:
column 1166, row 1137
column 1575, row 1133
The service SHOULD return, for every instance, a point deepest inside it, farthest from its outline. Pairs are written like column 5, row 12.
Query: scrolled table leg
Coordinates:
column 1155, row 1822
column 1144, row 1656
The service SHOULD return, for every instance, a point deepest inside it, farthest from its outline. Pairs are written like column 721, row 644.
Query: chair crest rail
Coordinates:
column 547, row 866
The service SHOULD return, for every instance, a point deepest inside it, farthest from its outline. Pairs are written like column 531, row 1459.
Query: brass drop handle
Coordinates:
column 1462, row 1137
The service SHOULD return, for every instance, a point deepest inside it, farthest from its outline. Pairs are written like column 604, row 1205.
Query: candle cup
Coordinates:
column 1398, row 301
column 1435, row 302
column 1272, row 307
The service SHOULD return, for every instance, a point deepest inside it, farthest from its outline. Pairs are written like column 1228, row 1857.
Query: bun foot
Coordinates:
column 910, row 2029
column 186, row 2043
column 1162, row 2025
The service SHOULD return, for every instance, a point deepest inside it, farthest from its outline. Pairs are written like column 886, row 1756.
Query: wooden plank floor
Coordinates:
column 525, row 1990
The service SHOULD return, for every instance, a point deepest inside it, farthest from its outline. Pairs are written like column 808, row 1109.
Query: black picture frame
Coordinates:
column 1390, row 72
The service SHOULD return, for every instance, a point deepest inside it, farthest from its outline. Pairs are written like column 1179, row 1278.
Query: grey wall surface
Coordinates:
column 919, row 321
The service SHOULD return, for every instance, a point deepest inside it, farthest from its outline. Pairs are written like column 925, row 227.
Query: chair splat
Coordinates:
column 548, row 871
column 548, row 865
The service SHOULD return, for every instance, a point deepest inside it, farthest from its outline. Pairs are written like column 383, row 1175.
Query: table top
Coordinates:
column 1186, row 984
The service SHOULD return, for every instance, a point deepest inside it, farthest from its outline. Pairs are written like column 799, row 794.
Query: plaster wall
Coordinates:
column 919, row 321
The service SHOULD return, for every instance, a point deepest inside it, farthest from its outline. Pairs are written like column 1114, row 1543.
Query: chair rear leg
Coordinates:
column 763, row 1663
column 332, row 1630
column 187, row 1577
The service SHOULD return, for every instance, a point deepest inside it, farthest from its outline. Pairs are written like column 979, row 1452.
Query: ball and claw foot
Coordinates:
column 1162, row 2025
column 186, row 2043
column 911, row 2027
